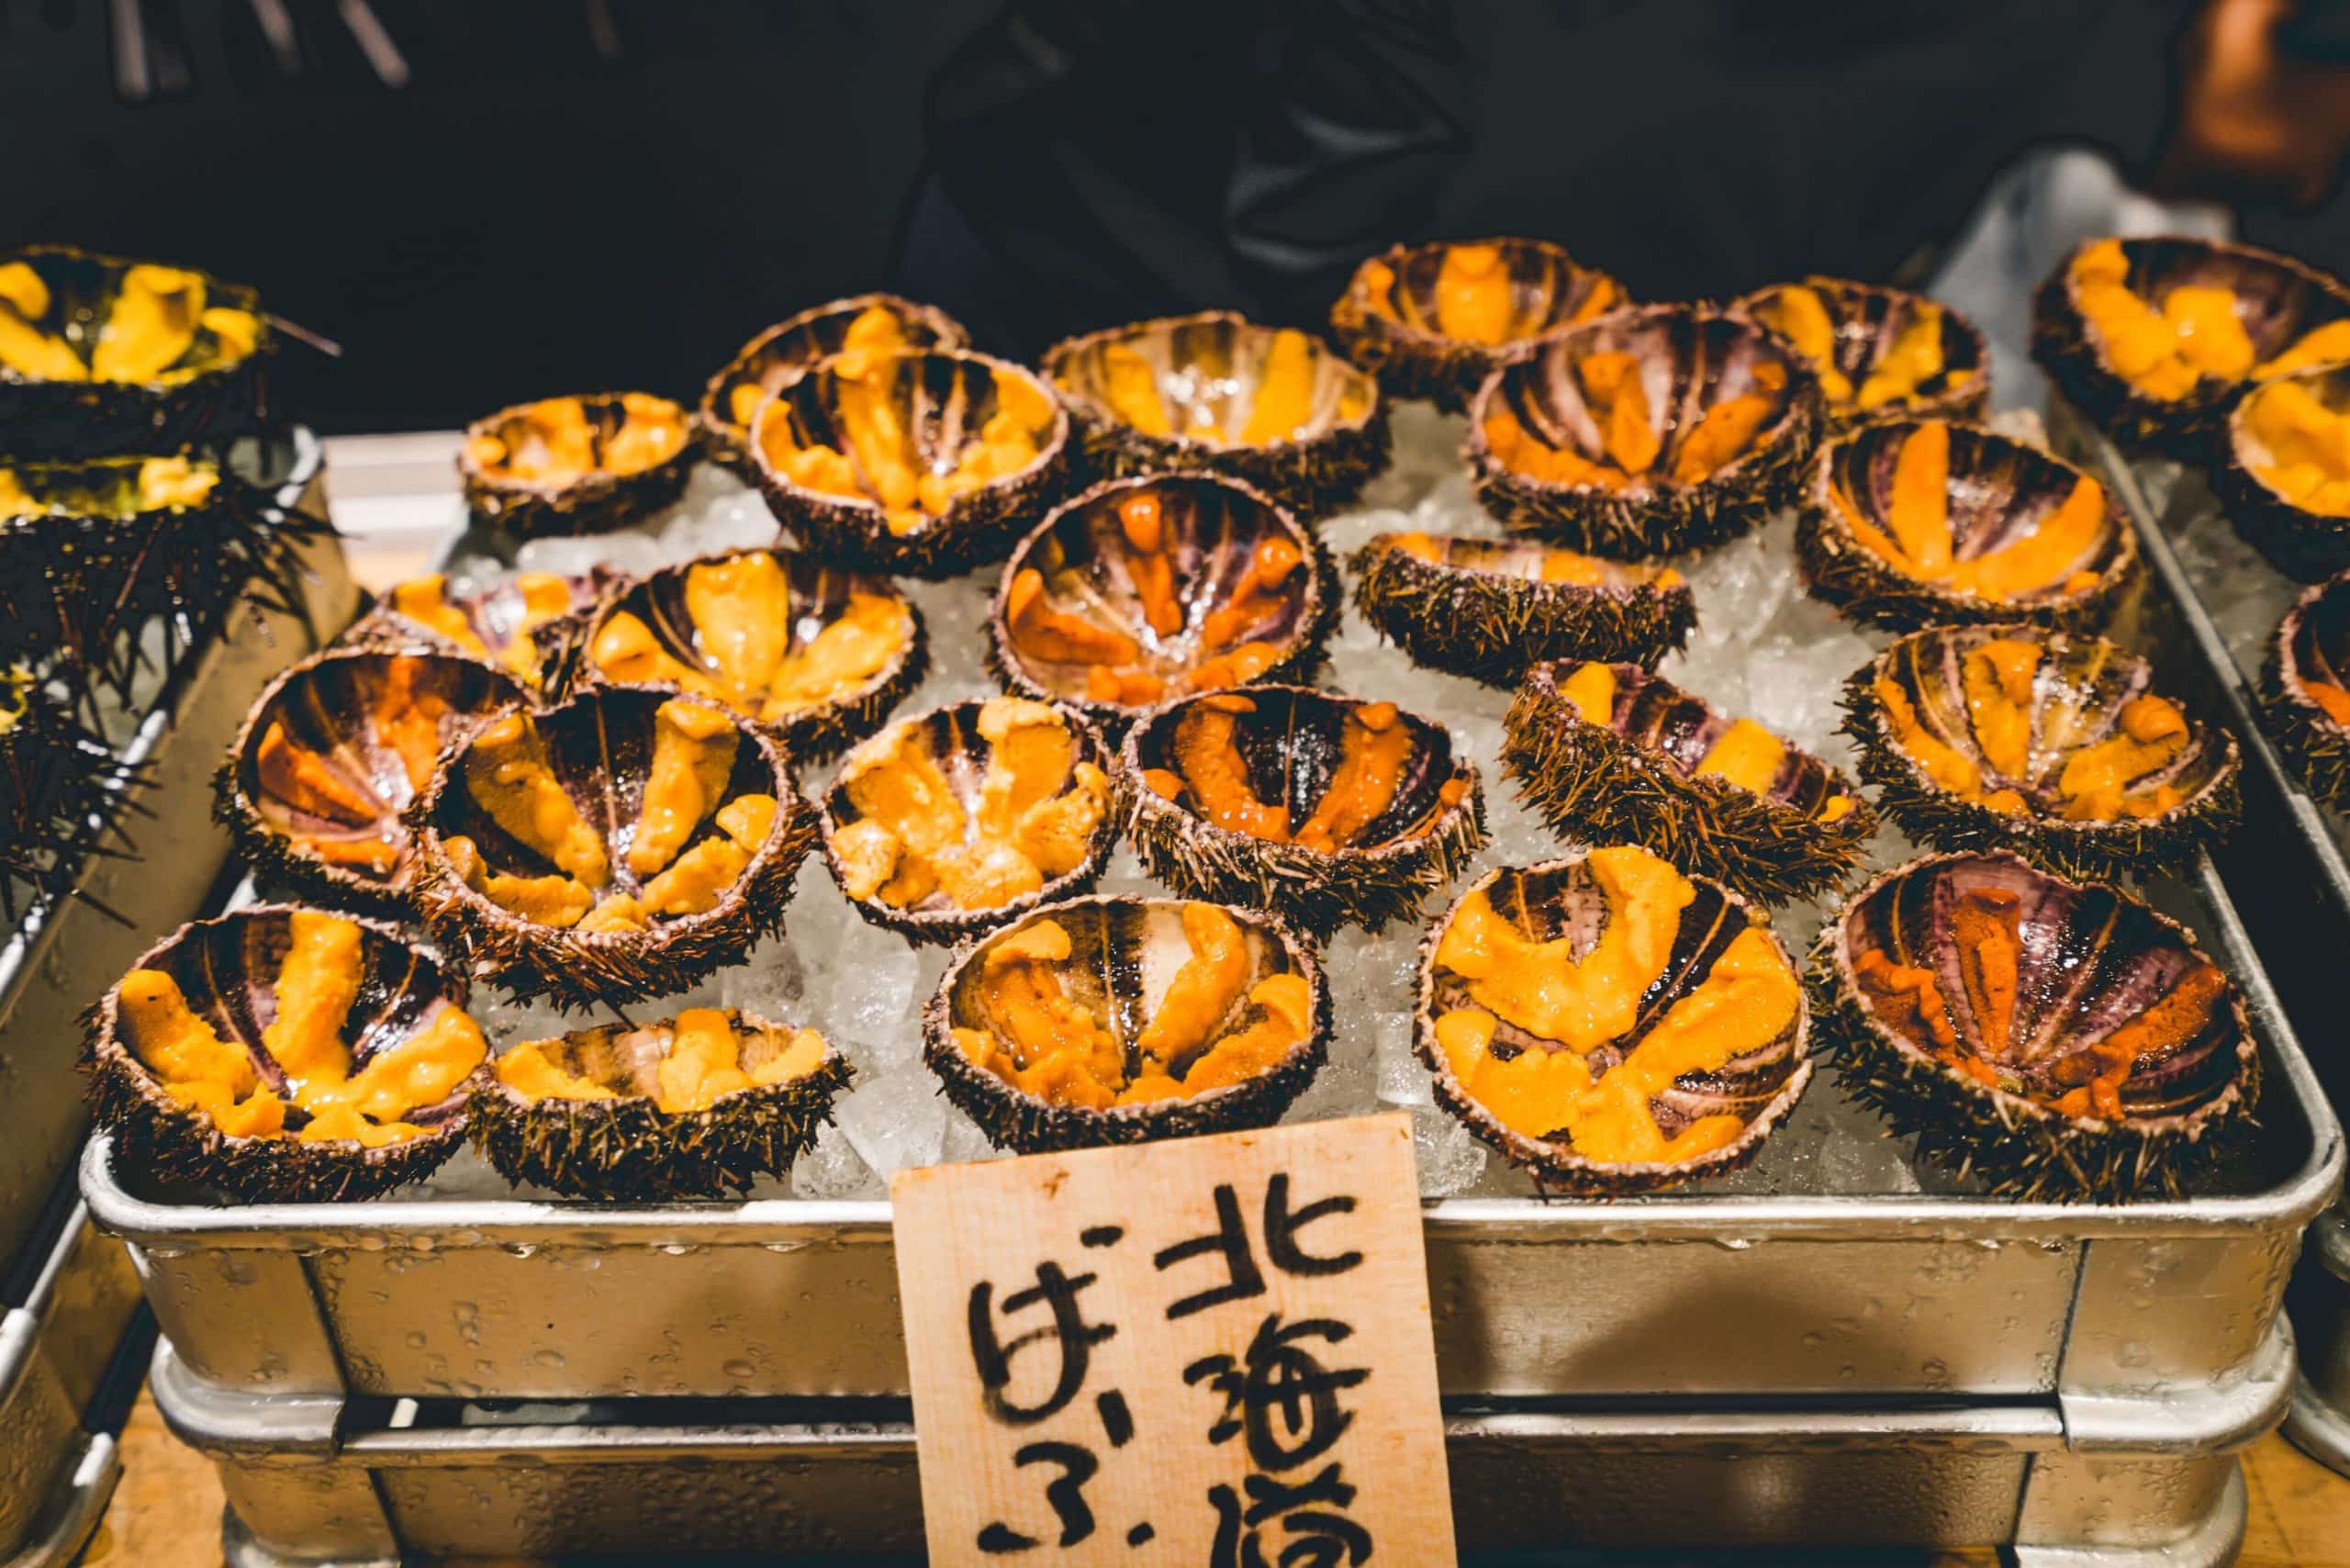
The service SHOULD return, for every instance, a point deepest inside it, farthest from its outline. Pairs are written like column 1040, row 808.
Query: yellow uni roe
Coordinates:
column 917, row 837
column 702, row 1060
column 316, row 985
column 1289, row 398
column 1913, row 359
column 874, row 331
column 2306, row 444
column 1632, row 443
column 1560, row 1010
column 543, row 597
column 1215, row 1026
column 2197, row 332
column 2055, row 554
column 884, row 459
column 1375, row 747
column 147, row 337
column 555, row 443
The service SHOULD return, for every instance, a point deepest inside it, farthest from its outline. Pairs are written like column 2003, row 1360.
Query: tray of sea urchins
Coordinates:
column 1674, row 752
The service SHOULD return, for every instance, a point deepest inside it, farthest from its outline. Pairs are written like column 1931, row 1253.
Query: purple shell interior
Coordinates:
column 1212, row 530
column 2088, row 962
column 334, row 708
column 2078, row 691
column 1689, row 362
column 228, row 969
column 1290, row 741
column 1658, row 716
column 1563, row 899
column 2002, row 492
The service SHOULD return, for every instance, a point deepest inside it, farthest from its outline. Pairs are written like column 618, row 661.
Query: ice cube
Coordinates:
column 895, row 1117
column 832, row 1170
column 628, row 553
column 1451, row 1158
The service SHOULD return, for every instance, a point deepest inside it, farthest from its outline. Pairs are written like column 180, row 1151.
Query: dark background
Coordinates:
column 572, row 194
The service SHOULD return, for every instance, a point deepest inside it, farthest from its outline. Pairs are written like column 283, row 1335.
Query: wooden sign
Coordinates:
column 1211, row 1350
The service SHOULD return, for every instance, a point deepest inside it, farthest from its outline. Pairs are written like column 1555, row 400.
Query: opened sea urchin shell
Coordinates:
column 1612, row 753
column 817, row 653
column 529, row 624
column 332, row 753
column 2282, row 473
column 865, row 323
column 2055, row 1040
column 585, row 463
column 1879, row 352
column 1919, row 523
column 2153, row 337
column 282, row 1053
column 695, row 1106
column 100, row 355
column 2305, row 684
column 1143, row 590
column 623, row 845
column 1325, row 809
column 1117, row 1020
column 1646, row 432
column 2055, row 746
column 951, row 822
column 1487, row 609
column 1274, row 405
column 925, row 461
column 1610, row 1024
column 1434, row 320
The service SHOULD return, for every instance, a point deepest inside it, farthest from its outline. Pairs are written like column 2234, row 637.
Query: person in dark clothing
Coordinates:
column 1095, row 161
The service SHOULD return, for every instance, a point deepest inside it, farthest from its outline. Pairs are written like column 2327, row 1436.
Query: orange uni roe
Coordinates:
column 1375, row 747
column 544, row 598
column 1162, row 656
column 1215, row 1026
column 1560, row 1009
column 2197, row 332
column 1916, row 540
column 917, row 838
column 1633, row 439
column 883, row 458
column 701, row 1062
column 2306, row 446
column 553, row 442
column 1289, row 398
column 150, row 336
column 316, row 985
column 337, row 786
column 1745, row 754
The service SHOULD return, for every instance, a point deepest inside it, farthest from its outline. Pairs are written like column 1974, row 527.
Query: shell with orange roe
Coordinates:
column 952, row 822
column 1611, row 1023
column 1325, row 808
column 865, row 323
column 1141, row 591
column 2305, row 688
column 523, row 624
column 2054, row 1039
column 585, row 463
column 1879, row 352
column 2053, row 744
column 1908, row 522
column 1111, row 1020
column 332, row 754
column 355, row 1083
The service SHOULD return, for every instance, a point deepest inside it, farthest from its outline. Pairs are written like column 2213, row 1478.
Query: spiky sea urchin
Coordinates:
column 1487, row 609
column 1723, row 440
column 59, row 784
column 634, row 1143
column 330, row 756
column 2305, row 688
column 1634, row 778
column 2275, row 437
column 723, row 418
column 2009, row 532
column 1328, row 809
column 1146, row 590
column 1563, row 900
column 975, row 447
column 2278, row 302
column 1120, row 951
column 1880, row 352
column 2095, row 774
column 587, row 463
column 1273, row 406
column 819, row 653
column 186, row 366
column 1434, row 320
column 598, row 747
column 2093, row 1054
column 937, row 827
column 219, row 968
column 98, row 555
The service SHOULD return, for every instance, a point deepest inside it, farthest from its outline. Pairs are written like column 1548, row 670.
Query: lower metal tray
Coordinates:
column 57, row 1455
column 69, row 951
column 2109, row 1482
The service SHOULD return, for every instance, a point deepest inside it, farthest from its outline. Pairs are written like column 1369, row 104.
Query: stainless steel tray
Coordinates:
column 66, row 952
column 2121, row 1482
column 57, row 1460
column 1838, row 1285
